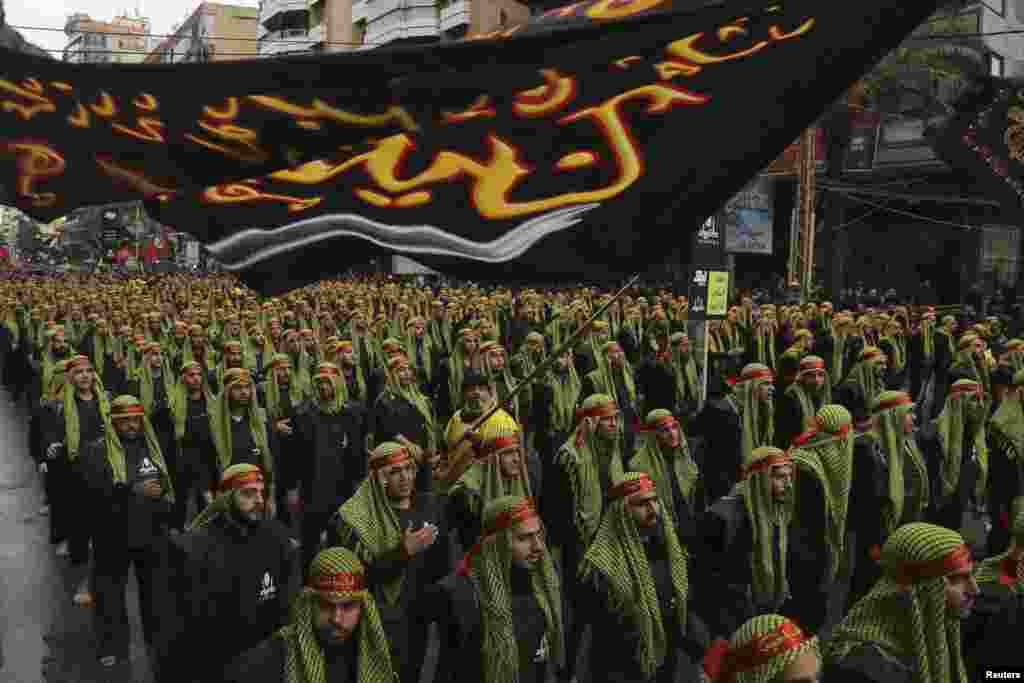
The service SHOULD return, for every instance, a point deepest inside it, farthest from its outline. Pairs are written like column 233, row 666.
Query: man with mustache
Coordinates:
column 395, row 529
column 238, row 427
column 132, row 499
column 334, row 633
column 907, row 629
column 501, row 615
column 746, row 535
column 240, row 570
column 636, row 589
column 796, row 408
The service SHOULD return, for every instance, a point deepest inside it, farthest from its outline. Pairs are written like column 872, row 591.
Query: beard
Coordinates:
column 474, row 405
column 330, row 638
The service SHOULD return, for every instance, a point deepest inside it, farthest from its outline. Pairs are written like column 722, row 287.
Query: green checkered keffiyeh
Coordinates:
column 220, row 426
column 828, row 457
column 226, row 500
column 964, row 406
column 578, row 456
column 565, row 388
column 1016, row 354
column 1007, row 424
column 411, row 393
column 147, row 390
column 913, row 623
column 758, row 652
column 1003, row 569
column 890, row 410
column 603, row 378
column 115, row 449
column 484, row 478
column 328, row 372
column 865, row 375
column 369, row 524
column 684, row 369
column 758, row 416
column 335, row 574
column 272, row 390
column 72, row 427
column 652, row 459
column 617, row 554
column 490, row 568
column 770, row 583
column 178, row 399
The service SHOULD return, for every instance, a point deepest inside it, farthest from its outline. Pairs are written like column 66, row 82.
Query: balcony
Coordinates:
column 271, row 8
column 415, row 19
column 317, row 34
column 454, row 14
column 284, row 42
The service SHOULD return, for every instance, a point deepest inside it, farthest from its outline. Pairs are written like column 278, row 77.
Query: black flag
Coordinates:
column 583, row 145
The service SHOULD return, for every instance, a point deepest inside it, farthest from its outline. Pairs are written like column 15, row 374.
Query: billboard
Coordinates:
column 747, row 218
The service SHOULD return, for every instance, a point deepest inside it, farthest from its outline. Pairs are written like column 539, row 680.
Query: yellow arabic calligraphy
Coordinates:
column 238, row 192
column 555, row 94
column 481, row 108
column 30, row 90
column 35, row 161
column 321, row 110
column 237, row 142
column 687, row 50
column 493, row 180
column 617, row 9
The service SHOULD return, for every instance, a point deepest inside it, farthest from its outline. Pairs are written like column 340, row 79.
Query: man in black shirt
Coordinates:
column 133, row 498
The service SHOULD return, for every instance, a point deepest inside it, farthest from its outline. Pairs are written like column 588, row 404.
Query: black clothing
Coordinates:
column 332, row 462
column 129, row 529
column 656, row 381
column 265, row 664
column 392, row 415
column 238, row 579
column 720, row 426
column 195, row 470
column 616, row 637
column 867, row 664
column 461, row 627
column 868, row 492
column 243, row 445
column 404, row 622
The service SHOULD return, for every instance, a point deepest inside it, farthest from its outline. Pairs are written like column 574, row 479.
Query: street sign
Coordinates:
column 708, row 293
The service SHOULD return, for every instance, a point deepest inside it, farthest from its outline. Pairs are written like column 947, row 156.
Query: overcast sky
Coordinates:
column 53, row 14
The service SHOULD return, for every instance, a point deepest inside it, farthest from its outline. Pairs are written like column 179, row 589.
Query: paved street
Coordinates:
column 45, row 637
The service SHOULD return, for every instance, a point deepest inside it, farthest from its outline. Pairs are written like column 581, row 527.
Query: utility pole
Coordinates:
column 801, row 235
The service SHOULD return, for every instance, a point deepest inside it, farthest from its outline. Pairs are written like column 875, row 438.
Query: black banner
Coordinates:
column 985, row 139
column 569, row 148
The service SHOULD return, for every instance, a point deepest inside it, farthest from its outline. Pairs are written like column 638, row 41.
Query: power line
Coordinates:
column 908, row 214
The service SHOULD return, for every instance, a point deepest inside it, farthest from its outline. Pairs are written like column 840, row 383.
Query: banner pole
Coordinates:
column 542, row 367
column 704, row 381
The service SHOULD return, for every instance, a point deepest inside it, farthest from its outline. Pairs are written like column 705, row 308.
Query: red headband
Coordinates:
column 902, row 400
column 396, row 458
column 600, row 410
column 500, row 444
column 241, row 480
column 127, row 411
column 959, row 560
column 280, row 363
column 809, row 365
column 344, row 346
column 625, row 489
column 523, row 512
column 77, row 361
column 765, row 463
column 328, row 371
column 233, row 347
column 663, row 421
column 762, row 649
column 342, row 582
column 757, row 374
column 973, row 389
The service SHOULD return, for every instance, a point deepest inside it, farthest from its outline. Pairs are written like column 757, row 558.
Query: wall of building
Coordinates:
column 492, row 15
column 231, row 21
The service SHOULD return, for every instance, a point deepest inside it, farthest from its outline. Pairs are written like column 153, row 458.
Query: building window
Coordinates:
column 996, row 65
column 1000, row 255
column 359, row 32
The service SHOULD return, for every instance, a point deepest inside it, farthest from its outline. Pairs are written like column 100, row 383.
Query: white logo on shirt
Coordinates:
column 541, row 655
column 147, row 467
column 268, row 591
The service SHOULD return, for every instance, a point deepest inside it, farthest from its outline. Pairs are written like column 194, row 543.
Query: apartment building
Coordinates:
column 214, row 32
column 121, row 40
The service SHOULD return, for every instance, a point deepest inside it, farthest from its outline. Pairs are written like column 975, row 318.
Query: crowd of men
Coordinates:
column 302, row 485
